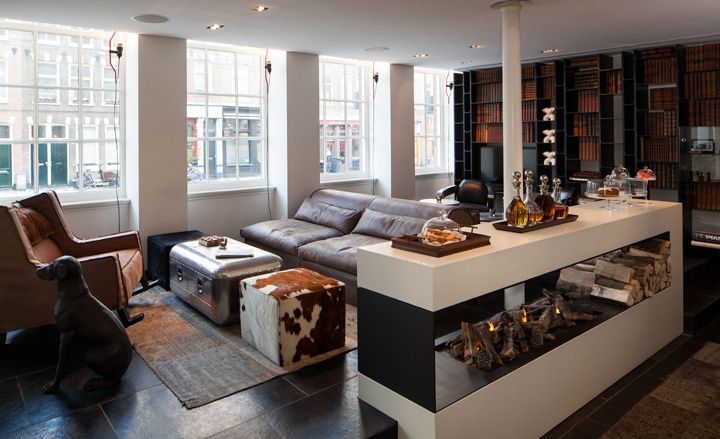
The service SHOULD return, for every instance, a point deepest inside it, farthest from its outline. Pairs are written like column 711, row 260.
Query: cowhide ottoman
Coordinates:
column 293, row 314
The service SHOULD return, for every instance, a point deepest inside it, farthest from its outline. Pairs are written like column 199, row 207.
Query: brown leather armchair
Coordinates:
column 33, row 232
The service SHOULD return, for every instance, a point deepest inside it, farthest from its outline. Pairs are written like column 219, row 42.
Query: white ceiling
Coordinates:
column 441, row 28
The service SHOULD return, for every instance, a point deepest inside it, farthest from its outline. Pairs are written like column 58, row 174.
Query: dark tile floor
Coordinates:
column 317, row 401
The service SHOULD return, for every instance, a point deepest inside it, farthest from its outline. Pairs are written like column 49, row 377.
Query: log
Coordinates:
column 509, row 351
column 614, row 271
column 622, row 296
column 520, row 332
column 576, row 282
column 635, row 251
column 483, row 333
column 654, row 245
column 469, row 342
column 585, row 267
column 565, row 312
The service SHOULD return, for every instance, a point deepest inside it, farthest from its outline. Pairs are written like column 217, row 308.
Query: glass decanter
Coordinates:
column 561, row 209
column 545, row 200
column 535, row 213
column 516, row 213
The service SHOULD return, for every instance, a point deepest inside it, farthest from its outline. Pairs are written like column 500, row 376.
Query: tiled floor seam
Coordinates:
column 112, row 427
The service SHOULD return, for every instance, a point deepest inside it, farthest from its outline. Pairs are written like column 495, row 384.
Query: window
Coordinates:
column 54, row 139
column 344, row 115
column 108, row 84
column 3, row 80
column 430, row 122
column 225, row 113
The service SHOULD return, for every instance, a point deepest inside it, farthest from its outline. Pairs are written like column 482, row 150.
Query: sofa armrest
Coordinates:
column 106, row 244
column 444, row 192
column 103, row 275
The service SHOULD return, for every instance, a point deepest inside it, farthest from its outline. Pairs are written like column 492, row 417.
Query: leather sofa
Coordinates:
column 330, row 225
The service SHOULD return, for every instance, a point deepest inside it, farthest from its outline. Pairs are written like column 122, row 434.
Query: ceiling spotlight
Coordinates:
column 421, row 55
column 150, row 18
column 467, row 61
column 476, row 46
column 376, row 49
column 550, row 51
column 216, row 26
column 260, row 8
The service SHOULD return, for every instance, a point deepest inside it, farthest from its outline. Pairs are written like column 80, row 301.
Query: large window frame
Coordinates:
column 56, row 85
column 338, row 138
column 242, row 154
column 431, row 106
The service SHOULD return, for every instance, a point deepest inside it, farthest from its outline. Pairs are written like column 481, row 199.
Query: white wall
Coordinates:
column 427, row 185
column 225, row 214
column 97, row 220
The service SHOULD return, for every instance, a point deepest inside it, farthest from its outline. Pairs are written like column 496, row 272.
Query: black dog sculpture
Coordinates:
column 82, row 318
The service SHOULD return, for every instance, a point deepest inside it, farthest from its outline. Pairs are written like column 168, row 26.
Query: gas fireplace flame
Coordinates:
column 557, row 310
column 524, row 317
column 491, row 326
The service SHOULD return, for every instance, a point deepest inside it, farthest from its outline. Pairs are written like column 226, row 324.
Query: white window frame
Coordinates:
column 237, row 182
column 441, row 107
column 365, row 131
column 4, row 91
column 10, row 130
column 81, row 87
column 76, row 54
column 49, row 87
column 90, row 140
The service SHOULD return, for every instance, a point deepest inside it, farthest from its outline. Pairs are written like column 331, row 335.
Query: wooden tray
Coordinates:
column 502, row 225
column 414, row 244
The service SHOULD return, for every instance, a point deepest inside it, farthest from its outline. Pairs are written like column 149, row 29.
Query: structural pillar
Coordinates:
column 512, row 93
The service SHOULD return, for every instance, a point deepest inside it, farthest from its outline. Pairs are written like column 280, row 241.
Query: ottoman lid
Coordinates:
column 290, row 283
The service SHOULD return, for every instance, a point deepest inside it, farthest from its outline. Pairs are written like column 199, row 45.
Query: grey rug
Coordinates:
column 199, row 361
column 686, row 405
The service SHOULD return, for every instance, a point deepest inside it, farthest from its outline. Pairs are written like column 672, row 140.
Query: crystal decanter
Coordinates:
column 545, row 200
column 561, row 209
column 535, row 213
column 516, row 213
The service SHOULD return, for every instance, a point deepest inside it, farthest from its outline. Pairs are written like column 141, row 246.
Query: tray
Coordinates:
column 413, row 244
column 502, row 225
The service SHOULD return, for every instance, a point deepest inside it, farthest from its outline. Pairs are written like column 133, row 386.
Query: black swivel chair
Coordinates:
column 472, row 195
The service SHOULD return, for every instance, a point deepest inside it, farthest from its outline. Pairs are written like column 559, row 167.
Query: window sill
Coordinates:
column 432, row 173
column 347, row 181
column 99, row 204
column 225, row 193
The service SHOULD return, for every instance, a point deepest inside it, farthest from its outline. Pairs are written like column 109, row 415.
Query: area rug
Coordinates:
column 686, row 405
column 199, row 361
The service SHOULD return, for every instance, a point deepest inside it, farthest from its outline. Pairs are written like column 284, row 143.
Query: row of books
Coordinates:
column 528, row 90
column 613, row 82
column 585, row 125
column 657, row 52
column 491, row 113
column 528, row 71
column 488, row 75
column 588, row 101
column 705, row 57
column 667, row 175
column 713, row 237
column 591, row 61
column 489, row 133
column 528, row 132
column 528, row 111
column 663, row 98
column 589, row 149
column 701, row 84
column 661, row 123
column 658, row 149
column 587, row 175
column 703, row 113
column 488, row 92
column 703, row 195
column 548, row 87
column 659, row 70
column 547, row 69
column 585, row 79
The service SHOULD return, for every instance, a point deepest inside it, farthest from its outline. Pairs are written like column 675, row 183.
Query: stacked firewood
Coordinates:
column 626, row 276
column 499, row 339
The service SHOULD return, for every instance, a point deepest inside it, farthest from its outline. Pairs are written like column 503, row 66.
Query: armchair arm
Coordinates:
column 106, row 244
column 444, row 192
column 103, row 276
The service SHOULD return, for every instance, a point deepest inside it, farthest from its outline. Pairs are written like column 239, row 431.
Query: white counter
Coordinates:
column 436, row 283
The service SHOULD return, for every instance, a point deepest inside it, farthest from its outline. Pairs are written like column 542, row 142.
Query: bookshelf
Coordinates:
column 549, row 83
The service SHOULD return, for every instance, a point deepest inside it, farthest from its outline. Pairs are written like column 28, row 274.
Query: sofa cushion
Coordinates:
column 346, row 200
column 339, row 253
column 37, row 227
column 325, row 214
column 391, row 217
column 287, row 235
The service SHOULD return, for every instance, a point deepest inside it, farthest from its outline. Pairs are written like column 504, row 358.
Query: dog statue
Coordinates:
column 82, row 318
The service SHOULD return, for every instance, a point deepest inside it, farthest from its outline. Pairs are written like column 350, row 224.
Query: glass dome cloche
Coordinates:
column 646, row 174
column 620, row 172
column 441, row 230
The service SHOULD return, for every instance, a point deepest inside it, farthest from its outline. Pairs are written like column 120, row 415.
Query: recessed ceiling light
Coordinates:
column 476, row 46
column 421, row 55
column 216, row 26
column 550, row 51
column 150, row 18
column 467, row 61
column 260, row 8
column 376, row 49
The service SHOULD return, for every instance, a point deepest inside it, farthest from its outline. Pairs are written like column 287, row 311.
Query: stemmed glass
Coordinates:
column 638, row 186
column 647, row 175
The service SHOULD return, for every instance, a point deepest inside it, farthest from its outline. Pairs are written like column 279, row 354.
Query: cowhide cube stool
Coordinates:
column 293, row 314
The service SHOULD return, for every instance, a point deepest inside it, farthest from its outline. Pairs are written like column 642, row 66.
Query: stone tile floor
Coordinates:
column 314, row 402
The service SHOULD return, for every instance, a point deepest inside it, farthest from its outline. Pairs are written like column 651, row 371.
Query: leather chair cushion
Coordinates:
column 325, row 214
column 339, row 253
column 287, row 235
column 37, row 227
column 46, row 251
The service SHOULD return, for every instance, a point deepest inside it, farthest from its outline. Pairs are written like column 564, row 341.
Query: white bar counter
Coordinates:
column 531, row 400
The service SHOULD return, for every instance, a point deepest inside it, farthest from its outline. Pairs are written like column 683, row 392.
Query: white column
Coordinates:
column 394, row 152
column 512, row 93
column 156, row 116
